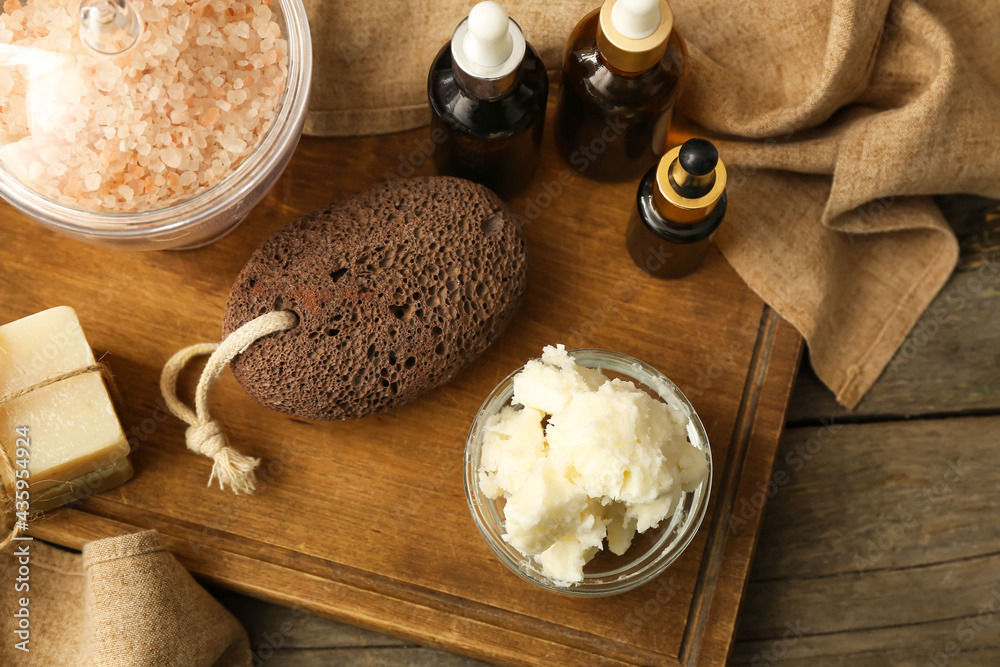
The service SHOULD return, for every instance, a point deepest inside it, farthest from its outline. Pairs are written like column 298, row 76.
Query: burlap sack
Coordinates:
column 125, row 602
column 839, row 117
column 859, row 110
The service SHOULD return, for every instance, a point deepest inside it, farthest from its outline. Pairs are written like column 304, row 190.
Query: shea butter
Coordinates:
column 584, row 462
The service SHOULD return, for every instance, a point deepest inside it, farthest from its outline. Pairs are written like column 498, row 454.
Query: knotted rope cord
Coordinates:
column 7, row 470
column 204, row 435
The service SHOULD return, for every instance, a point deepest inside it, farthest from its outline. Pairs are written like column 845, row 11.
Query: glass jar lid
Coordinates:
column 128, row 106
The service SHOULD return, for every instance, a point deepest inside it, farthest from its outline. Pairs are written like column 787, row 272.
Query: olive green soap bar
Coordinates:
column 68, row 427
column 99, row 481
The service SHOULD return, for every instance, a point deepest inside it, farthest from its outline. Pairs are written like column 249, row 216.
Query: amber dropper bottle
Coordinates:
column 623, row 70
column 487, row 90
column 680, row 203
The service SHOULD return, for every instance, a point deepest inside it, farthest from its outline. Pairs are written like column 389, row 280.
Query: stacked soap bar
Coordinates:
column 77, row 446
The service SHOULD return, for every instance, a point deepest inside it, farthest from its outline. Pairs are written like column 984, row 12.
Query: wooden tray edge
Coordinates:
column 733, row 536
column 768, row 386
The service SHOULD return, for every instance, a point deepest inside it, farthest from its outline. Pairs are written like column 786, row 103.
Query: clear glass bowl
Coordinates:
column 207, row 216
column 651, row 552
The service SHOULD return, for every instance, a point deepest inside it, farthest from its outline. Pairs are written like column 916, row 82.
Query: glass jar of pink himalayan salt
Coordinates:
column 148, row 124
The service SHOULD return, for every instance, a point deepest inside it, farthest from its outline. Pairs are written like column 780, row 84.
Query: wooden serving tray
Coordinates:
column 366, row 521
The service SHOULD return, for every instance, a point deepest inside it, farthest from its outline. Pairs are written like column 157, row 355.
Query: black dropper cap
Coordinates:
column 692, row 175
column 698, row 157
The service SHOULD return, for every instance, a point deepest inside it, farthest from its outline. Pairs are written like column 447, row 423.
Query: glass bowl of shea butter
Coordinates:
column 587, row 472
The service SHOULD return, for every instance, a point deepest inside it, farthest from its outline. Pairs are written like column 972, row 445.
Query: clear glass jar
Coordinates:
column 202, row 199
column 651, row 552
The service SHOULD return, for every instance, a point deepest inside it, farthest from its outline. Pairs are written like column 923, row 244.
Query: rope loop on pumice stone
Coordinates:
column 204, row 435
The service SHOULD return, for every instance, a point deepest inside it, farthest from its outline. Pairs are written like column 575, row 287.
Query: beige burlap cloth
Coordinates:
column 837, row 119
column 125, row 602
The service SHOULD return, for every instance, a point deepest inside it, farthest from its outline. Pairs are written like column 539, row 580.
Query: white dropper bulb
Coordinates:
column 488, row 42
column 636, row 19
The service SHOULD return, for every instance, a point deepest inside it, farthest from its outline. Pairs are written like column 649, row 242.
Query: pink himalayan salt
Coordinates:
column 171, row 157
column 185, row 106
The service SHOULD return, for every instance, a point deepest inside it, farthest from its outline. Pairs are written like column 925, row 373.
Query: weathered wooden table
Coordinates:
column 881, row 538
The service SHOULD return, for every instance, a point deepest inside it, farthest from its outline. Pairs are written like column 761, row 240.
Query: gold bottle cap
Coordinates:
column 646, row 40
column 690, row 179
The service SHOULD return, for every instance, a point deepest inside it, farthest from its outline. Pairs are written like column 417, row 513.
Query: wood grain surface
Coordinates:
column 874, row 551
column 366, row 521
column 881, row 547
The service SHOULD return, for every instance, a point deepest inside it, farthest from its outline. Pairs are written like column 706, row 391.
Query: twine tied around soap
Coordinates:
column 204, row 435
column 9, row 471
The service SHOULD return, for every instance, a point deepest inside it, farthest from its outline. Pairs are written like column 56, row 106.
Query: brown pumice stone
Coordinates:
column 396, row 289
